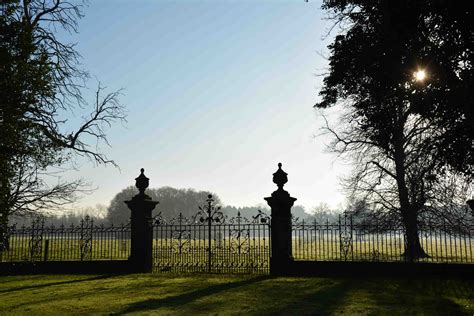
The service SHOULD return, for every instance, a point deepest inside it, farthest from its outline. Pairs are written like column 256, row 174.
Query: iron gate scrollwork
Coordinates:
column 36, row 241
column 181, row 236
column 86, row 238
column 239, row 235
column 345, row 237
column 210, row 241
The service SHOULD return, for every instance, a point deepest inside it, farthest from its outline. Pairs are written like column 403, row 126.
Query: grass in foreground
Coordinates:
column 231, row 294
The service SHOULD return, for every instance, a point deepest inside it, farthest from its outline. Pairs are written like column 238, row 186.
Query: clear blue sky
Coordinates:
column 217, row 92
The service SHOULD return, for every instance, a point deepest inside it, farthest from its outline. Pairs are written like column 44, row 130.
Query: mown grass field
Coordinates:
column 384, row 249
column 370, row 248
column 231, row 294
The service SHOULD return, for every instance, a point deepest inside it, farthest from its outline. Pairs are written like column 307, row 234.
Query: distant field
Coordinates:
column 66, row 249
column 231, row 294
column 369, row 249
column 384, row 249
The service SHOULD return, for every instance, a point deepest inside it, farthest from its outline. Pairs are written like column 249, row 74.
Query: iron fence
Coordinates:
column 347, row 241
column 82, row 242
column 211, row 242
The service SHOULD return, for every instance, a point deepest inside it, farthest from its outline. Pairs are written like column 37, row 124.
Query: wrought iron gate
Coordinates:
column 211, row 242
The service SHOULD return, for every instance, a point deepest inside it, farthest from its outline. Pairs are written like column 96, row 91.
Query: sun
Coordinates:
column 419, row 75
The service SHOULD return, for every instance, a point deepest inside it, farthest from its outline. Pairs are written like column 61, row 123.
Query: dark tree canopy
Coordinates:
column 385, row 42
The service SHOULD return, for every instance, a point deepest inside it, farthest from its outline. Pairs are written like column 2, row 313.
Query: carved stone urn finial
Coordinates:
column 280, row 177
column 142, row 182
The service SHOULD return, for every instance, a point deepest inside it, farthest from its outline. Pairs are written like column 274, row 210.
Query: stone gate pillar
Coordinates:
column 141, row 206
column 280, row 203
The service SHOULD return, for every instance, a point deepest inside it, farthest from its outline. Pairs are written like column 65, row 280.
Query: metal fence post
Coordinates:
column 210, row 213
column 352, row 239
column 341, row 241
column 81, row 240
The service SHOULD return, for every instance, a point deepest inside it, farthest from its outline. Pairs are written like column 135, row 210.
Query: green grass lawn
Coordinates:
column 315, row 247
column 231, row 294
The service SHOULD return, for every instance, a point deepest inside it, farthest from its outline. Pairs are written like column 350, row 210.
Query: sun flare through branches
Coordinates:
column 419, row 75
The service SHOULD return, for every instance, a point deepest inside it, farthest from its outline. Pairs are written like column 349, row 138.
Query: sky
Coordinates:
column 217, row 94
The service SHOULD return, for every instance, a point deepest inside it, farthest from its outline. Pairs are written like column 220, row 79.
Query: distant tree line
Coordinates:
column 96, row 213
column 187, row 201
column 172, row 202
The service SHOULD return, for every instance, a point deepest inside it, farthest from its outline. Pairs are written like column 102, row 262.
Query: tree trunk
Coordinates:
column 4, row 236
column 4, row 206
column 413, row 248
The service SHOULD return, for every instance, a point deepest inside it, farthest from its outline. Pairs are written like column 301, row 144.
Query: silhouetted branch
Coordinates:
column 107, row 110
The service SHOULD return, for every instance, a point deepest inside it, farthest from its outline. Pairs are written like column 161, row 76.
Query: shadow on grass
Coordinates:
column 180, row 300
column 322, row 301
column 39, row 286
column 460, row 289
column 419, row 296
column 383, row 297
column 272, row 298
